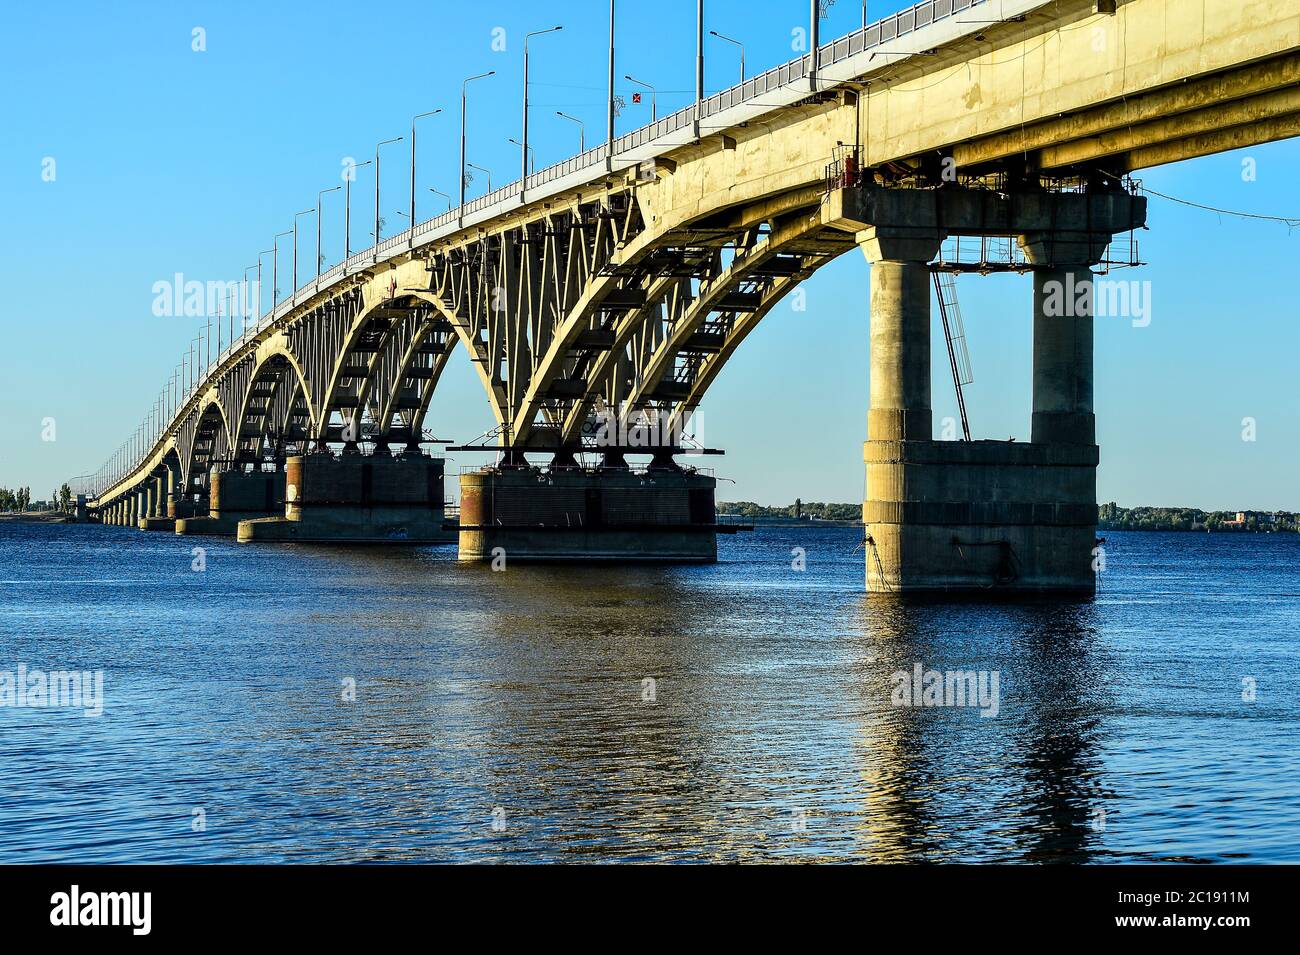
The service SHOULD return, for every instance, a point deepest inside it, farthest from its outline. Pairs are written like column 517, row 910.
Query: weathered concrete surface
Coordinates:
column 525, row 514
column 355, row 498
column 237, row 495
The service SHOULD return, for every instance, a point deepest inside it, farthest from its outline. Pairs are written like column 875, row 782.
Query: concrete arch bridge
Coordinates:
column 621, row 281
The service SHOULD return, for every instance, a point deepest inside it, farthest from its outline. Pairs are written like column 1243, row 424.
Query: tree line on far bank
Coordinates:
column 20, row 499
column 1110, row 516
column 808, row 510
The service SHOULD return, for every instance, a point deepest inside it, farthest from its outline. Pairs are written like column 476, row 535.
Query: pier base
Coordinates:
column 358, row 499
column 237, row 495
column 527, row 514
column 980, row 515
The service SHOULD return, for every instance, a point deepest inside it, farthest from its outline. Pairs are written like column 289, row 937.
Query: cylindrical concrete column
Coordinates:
column 900, row 352
column 174, row 508
column 1063, row 362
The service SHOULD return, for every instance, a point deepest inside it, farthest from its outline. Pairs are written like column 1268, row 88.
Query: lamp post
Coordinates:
column 814, row 35
column 463, row 87
column 275, row 266
column 319, row 196
column 432, row 112
column 296, row 217
column 259, row 278
column 654, row 107
column 699, row 65
column 739, row 44
column 524, row 177
column 582, row 130
column 439, row 192
column 347, row 208
column 609, row 112
column 396, row 139
column 528, row 152
column 486, row 172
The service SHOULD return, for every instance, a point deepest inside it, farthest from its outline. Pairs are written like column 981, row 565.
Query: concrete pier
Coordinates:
column 356, row 498
column 981, row 515
column 527, row 514
column 158, row 519
column 237, row 494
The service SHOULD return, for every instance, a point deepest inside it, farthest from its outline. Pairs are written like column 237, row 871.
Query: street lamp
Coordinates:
column 462, row 136
column 347, row 208
column 432, row 112
column 737, row 43
column 296, row 216
column 320, row 195
column 528, row 150
column 397, row 139
column 275, row 266
column 439, row 192
column 524, row 177
column 654, row 107
column 582, row 130
column 259, row 279
column 486, row 172
column 609, row 128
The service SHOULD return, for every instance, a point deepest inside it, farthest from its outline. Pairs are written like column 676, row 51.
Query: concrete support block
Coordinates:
column 980, row 515
column 525, row 514
column 356, row 498
column 237, row 495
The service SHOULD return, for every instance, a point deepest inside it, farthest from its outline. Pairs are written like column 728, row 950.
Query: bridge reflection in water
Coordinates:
column 770, row 734
column 761, row 741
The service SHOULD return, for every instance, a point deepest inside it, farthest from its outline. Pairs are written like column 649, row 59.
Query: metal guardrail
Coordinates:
column 779, row 77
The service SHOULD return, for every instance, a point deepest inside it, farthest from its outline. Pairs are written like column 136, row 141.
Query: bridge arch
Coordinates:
column 275, row 409
column 206, row 440
column 386, row 367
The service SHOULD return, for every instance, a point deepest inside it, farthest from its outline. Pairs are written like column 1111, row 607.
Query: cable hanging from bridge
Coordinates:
column 1290, row 222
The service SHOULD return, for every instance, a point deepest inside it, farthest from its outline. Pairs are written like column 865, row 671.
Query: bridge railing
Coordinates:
column 776, row 79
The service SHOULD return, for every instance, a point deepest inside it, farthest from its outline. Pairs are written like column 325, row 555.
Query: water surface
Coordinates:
column 504, row 716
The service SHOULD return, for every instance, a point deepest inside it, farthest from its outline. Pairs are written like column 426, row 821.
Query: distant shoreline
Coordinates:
column 1110, row 517
column 37, row 517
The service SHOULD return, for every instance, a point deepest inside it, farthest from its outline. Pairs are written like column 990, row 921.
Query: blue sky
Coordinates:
column 170, row 160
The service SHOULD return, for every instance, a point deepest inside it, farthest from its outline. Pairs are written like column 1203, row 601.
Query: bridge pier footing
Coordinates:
column 236, row 495
column 527, row 514
column 357, row 498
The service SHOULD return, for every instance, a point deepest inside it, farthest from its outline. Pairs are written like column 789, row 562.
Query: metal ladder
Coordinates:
column 945, row 289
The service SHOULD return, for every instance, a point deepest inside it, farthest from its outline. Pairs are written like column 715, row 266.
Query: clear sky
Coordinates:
column 168, row 159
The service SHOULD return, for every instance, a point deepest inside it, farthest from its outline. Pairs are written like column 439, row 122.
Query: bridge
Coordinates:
column 612, row 288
